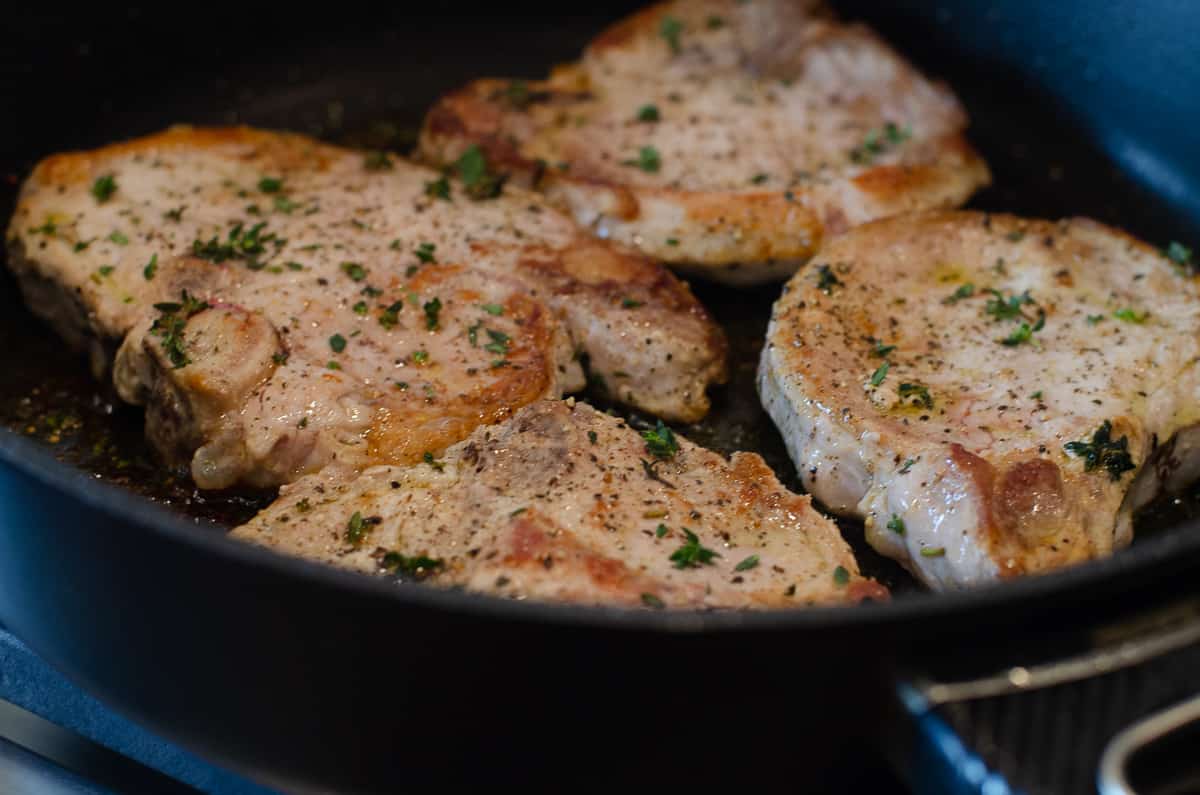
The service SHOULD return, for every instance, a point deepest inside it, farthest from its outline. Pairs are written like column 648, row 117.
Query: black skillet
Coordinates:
column 311, row 679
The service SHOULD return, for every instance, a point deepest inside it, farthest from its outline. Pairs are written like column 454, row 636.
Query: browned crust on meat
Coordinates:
column 283, row 150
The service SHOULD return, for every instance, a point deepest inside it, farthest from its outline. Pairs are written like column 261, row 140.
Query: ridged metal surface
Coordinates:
column 1049, row 741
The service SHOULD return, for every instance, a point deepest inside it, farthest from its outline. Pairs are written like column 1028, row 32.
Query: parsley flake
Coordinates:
column 1103, row 451
column 432, row 309
column 418, row 567
column 964, row 291
column 337, row 343
column 151, row 268
column 660, row 441
column 270, row 185
column 424, row 253
column 648, row 113
column 650, row 600
column 669, row 29
column 841, row 576
column 648, row 160
column 472, row 168
column 880, row 373
column 377, row 161
column 747, row 563
column 355, row 271
column 438, row 189
column 103, row 188
column 1131, row 316
column 692, row 554
column 896, row 525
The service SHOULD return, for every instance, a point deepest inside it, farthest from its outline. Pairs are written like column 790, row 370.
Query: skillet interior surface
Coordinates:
column 370, row 88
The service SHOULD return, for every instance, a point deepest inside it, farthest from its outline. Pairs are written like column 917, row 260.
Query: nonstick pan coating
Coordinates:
column 298, row 674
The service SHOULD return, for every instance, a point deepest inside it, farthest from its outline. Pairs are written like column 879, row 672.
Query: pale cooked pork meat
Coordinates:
column 285, row 304
column 725, row 137
column 563, row 502
column 994, row 396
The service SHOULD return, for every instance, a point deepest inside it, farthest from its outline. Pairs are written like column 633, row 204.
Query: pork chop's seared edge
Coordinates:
column 983, row 390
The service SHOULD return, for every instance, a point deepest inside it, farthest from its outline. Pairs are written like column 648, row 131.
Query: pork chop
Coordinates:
column 565, row 503
column 280, row 303
column 988, row 393
column 724, row 137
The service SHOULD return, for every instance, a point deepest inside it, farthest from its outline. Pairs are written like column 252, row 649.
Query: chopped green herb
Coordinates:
column 1002, row 308
column 332, row 365
column 964, row 291
column 377, row 161
column 493, row 309
column 424, row 252
column 169, row 326
column 285, row 205
column 669, row 29
column 119, row 238
column 270, row 184
column 354, row 271
column 280, row 358
column 433, row 462
column 758, row 179
column 919, row 394
column 660, row 441
column 359, row 308
column 671, row 241
column 358, row 528
column 629, row 303
column 438, row 189
column 1103, row 451
column 500, row 343
column 648, row 160
column 933, row 552
column 692, row 554
column 176, row 214
column 240, row 244
column 660, row 531
column 878, row 142
column 49, row 228
column 896, row 525
column 432, row 308
column 480, row 183
column 880, row 374
column 420, row 357
column 1094, row 319
column 648, row 113
column 151, row 268
column 1131, row 316
column 826, row 280
column 1015, row 236
column 650, row 600
column 104, row 187
column 82, row 245
column 881, row 351
column 841, row 576
column 338, row 343
column 1180, row 255
column 391, row 314
column 418, row 567
column 106, row 270
column 747, row 563
column 908, row 463
column 1024, row 332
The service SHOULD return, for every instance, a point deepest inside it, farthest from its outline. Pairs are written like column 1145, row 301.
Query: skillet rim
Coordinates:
column 1173, row 549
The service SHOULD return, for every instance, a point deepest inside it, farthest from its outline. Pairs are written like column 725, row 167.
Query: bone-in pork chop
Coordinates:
column 725, row 137
column 281, row 304
column 565, row 503
column 986, row 391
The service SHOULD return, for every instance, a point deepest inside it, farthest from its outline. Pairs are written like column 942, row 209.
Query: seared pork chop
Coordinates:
column 563, row 502
column 726, row 137
column 986, row 391
column 281, row 304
